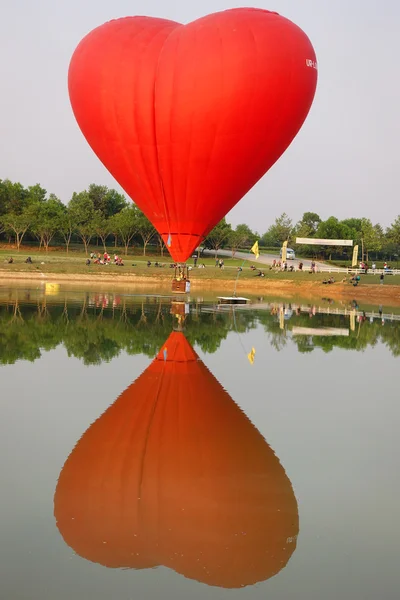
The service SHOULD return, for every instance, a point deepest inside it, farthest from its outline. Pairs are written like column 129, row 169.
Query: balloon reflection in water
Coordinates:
column 175, row 474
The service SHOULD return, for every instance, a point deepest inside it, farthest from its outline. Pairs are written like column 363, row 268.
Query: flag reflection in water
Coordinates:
column 175, row 474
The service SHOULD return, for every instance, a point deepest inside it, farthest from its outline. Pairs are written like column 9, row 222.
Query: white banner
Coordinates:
column 324, row 331
column 322, row 242
column 284, row 251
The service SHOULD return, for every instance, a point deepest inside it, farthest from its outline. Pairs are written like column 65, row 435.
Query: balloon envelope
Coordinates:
column 175, row 474
column 187, row 118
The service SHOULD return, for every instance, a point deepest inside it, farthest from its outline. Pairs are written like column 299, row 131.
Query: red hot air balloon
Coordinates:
column 187, row 118
column 175, row 474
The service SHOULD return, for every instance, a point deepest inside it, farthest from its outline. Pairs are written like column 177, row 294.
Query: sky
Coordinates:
column 344, row 162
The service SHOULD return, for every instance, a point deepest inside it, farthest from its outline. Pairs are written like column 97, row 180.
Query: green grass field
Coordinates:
column 59, row 262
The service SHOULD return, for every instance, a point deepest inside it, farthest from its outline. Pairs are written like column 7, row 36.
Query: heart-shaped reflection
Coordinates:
column 187, row 118
column 175, row 474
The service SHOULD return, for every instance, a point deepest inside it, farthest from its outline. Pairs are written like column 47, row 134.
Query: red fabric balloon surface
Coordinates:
column 187, row 118
column 175, row 474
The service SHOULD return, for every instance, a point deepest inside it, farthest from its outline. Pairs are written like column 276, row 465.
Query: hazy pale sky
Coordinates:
column 345, row 160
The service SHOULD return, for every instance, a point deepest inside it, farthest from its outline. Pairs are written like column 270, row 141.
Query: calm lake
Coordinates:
column 160, row 449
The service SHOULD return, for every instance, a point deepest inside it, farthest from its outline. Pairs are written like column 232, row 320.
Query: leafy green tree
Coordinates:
column 161, row 243
column 101, row 227
column 19, row 224
column 218, row 236
column 145, row 229
column 281, row 231
column 269, row 239
column 67, row 225
column 330, row 229
column 311, row 220
column 83, row 215
column 107, row 201
column 126, row 223
column 393, row 232
column 36, row 194
column 307, row 228
column 3, row 198
column 351, row 230
column 333, row 229
column 13, row 197
column 371, row 239
column 238, row 238
column 47, row 219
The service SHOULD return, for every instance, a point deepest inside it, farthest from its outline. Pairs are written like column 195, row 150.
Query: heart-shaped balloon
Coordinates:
column 187, row 118
column 175, row 474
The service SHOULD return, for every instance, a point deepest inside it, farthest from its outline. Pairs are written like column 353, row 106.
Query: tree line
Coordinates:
column 371, row 238
column 98, row 213
column 103, row 215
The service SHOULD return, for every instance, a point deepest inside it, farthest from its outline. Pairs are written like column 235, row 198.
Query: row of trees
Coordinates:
column 370, row 237
column 98, row 213
column 106, row 216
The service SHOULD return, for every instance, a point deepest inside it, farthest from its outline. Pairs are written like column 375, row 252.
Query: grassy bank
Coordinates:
column 62, row 268
column 74, row 263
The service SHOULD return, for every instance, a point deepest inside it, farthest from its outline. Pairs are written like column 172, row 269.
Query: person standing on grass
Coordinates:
column 382, row 277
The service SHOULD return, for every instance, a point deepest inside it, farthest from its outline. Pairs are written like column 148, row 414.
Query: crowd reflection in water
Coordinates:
column 175, row 474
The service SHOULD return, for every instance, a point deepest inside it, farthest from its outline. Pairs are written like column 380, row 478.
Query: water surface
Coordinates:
column 269, row 452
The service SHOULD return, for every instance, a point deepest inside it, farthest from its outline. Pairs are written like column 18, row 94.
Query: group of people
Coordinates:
column 279, row 265
column 10, row 260
column 104, row 259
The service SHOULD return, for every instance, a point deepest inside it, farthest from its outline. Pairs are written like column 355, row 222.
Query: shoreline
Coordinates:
column 375, row 293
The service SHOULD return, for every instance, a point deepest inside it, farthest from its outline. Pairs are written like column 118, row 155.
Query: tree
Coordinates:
column 311, row 220
column 371, row 239
column 47, row 219
column 161, row 244
column 239, row 237
column 279, row 232
column 13, row 197
column 351, row 230
column 19, row 224
column 36, row 194
column 67, row 225
column 107, row 201
column 307, row 227
column 218, row 236
column 101, row 227
column 126, row 224
column 393, row 232
column 83, row 214
column 330, row 229
column 145, row 229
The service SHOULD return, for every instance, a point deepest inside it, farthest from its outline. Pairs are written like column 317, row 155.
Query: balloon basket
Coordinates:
column 179, row 309
column 181, row 281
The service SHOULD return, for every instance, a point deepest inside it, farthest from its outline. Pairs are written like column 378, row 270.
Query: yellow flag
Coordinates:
column 255, row 249
column 251, row 355
column 281, row 319
column 284, row 251
column 353, row 320
column 355, row 256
